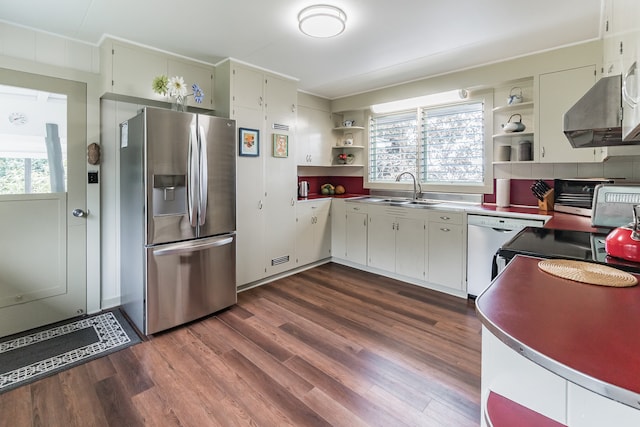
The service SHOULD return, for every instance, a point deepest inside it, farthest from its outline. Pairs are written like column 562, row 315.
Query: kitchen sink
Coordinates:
column 398, row 202
column 423, row 202
column 415, row 204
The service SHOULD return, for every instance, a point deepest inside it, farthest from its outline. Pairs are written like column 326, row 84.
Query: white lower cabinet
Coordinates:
column 356, row 221
column 349, row 224
column 446, row 251
column 313, row 231
column 426, row 247
column 396, row 241
column 423, row 246
column 338, row 228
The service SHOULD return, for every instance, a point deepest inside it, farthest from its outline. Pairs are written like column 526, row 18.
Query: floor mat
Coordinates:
column 41, row 352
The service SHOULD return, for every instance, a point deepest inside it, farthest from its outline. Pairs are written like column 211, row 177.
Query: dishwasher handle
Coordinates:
column 505, row 230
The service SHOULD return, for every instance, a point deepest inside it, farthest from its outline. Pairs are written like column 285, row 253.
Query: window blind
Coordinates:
column 452, row 149
column 393, row 146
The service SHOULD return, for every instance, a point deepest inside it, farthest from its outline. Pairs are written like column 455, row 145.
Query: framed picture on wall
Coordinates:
column 249, row 141
column 280, row 145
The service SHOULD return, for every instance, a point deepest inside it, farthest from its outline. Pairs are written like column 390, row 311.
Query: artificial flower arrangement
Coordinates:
column 175, row 87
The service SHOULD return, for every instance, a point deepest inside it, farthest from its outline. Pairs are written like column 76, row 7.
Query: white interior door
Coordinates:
column 42, row 170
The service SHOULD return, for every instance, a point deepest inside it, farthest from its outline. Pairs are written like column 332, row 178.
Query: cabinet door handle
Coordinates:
column 364, row 222
column 446, row 230
column 397, row 226
column 543, row 151
column 445, row 218
column 259, row 204
column 260, row 101
column 293, row 202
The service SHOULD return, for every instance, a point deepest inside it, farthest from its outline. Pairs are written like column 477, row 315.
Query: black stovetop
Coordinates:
column 565, row 244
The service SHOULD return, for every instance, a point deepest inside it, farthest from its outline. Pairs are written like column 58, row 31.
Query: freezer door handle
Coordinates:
column 192, row 171
column 188, row 247
column 204, row 178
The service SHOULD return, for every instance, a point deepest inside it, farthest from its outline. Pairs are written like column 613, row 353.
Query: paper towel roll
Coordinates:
column 503, row 190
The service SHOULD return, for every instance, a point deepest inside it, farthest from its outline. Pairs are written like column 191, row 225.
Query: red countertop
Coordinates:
column 585, row 333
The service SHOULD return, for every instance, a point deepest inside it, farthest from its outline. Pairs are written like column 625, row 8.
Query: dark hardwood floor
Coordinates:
column 331, row 346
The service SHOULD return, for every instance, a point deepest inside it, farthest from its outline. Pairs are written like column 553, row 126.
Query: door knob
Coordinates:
column 79, row 213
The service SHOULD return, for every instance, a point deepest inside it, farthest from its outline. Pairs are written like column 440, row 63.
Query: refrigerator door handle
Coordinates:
column 204, row 178
column 193, row 176
column 193, row 246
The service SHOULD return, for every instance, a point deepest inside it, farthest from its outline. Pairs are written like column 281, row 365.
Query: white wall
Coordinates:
column 39, row 53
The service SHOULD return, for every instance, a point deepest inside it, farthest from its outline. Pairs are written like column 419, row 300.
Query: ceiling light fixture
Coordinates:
column 322, row 21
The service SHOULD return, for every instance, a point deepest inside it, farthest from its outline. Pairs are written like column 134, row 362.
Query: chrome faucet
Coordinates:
column 416, row 184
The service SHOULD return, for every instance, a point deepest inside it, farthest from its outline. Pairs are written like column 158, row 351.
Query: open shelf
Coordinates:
column 513, row 107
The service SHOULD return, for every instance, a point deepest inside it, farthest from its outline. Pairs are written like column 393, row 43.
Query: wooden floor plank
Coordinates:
column 328, row 346
column 16, row 407
column 154, row 410
column 233, row 385
column 371, row 412
column 49, row 407
column 116, row 402
column 263, row 360
column 77, row 403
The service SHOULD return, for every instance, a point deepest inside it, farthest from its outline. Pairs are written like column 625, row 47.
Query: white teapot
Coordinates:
column 514, row 98
column 514, row 126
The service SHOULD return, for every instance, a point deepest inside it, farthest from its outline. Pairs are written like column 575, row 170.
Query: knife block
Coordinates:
column 546, row 204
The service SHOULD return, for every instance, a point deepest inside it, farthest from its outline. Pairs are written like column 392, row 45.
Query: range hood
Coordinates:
column 595, row 120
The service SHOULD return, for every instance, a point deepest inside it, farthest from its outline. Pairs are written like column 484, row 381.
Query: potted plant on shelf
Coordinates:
column 345, row 159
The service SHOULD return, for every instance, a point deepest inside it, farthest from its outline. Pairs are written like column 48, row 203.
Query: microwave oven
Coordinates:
column 575, row 196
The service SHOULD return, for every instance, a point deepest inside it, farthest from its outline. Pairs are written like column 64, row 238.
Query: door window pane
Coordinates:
column 33, row 141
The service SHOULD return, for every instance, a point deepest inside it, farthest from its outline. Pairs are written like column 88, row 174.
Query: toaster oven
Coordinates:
column 575, row 196
column 613, row 204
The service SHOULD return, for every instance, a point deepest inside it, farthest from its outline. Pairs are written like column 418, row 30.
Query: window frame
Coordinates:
column 486, row 97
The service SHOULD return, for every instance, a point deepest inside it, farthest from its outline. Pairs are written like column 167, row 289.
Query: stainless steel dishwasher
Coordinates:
column 485, row 235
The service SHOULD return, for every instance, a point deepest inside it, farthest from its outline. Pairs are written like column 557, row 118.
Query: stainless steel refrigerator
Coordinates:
column 177, row 217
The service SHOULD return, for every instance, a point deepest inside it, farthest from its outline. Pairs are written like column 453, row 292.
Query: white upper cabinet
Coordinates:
column 558, row 91
column 621, row 26
column 202, row 75
column 129, row 70
column 314, row 137
column 248, row 88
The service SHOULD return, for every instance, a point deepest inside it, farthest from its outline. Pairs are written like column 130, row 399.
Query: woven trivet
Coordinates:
column 587, row 272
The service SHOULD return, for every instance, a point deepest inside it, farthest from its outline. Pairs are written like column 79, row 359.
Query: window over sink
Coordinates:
column 444, row 146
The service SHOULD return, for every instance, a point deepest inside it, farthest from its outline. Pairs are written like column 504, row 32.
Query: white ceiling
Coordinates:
column 386, row 41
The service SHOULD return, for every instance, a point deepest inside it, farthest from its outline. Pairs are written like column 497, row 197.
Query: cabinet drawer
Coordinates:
column 356, row 207
column 446, row 217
